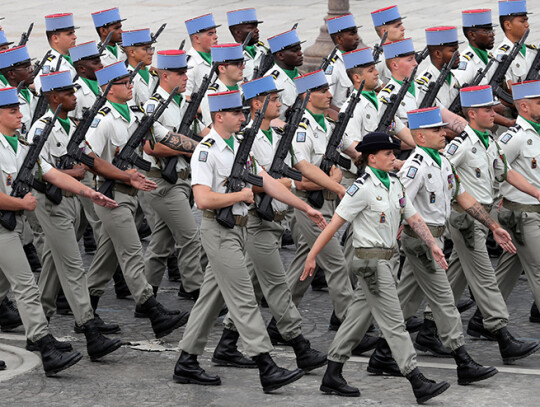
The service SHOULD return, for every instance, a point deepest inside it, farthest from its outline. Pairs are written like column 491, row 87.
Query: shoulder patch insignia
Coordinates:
column 462, row 66
column 353, row 189
column 209, row 143
column 46, row 69
column 329, row 70
column 504, row 48
column 384, row 100
column 104, row 110
column 362, row 178
column 301, row 136
column 95, row 122
column 418, row 157
column 506, row 138
column 388, row 88
column 153, row 73
column 452, row 149
column 275, row 74
column 214, row 87
column 38, row 132
column 515, row 128
column 150, row 108
column 412, row 172
column 203, row 156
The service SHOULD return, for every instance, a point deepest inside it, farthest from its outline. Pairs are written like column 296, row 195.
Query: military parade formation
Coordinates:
column 397, row 173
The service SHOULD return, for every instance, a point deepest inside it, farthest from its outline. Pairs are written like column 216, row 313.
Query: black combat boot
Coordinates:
column 427, row 340
column 307, row 358
column 535, row 314
column 334, row 383
column 413, row 324
column 335, row 322
column 32, row 257
column 468, row 371
column 465, row 304
column 286, row 238
column 104, row 328
column 382, row 362
column 366, row 344
column 62, row 305
column 476, row 327
column 191, row 295
column 163, row 323
column 272, row 376
column 2, row 365
column 121, row 288
column 98, row 345
column 227, row 353
column 172, row 268
column 513, row 349
column 319, row 280
column 423, row 388
column 61, row 346
column 53, row 360
column 89, row 242
column 141, row 313
column 275, row 336
column 9, row 315
column 188, row 370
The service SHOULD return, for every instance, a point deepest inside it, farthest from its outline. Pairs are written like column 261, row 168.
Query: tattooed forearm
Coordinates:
column 421, row 229
column 179, row 142
column 457, row 125
column 478, row 212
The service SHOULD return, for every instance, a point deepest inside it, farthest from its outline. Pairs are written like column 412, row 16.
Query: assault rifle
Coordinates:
column 328, row 59
column 42, row 104
column 377, row 48
column 332, row 156
column 25, row 181
column 128, row 155
column 420, row 56
column 533, row 74
column 158, row 33
column 435, row 87
column 26, row 36
column 278, row 168
column 239, row 174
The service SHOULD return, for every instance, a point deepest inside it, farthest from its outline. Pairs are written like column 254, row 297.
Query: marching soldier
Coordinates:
column 229, row 59
column 479, row 162
column 106, row 21
column 175, row 225
column 375, row 205
column 60, row 31
column 60, row 222
column 344, row 33
column 137, row 45
column 108, row 134
column 387, row 20
column 241, row 23
column 431, row 185
column 520, row 212
column 203, row 35
column 227, row 277
column 287, row 50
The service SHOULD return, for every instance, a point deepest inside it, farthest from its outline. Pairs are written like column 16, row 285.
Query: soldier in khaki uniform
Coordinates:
column 109, row 133
column 520, row 212
column 106, row 21
column 174, row 224
column 479, row 161
column 60, row 221
column 203, row 35
column 241, row 23
column 375, row 205
column 227, row 277
column 431, row 185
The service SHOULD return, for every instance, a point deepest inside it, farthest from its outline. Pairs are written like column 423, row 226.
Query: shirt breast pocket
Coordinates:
column 57, row 150
column 531, row 154
column 381, row 210
column 9, row 173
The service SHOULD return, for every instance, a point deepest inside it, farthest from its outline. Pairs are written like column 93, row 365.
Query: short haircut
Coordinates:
column 503, row 19
column 359, row 70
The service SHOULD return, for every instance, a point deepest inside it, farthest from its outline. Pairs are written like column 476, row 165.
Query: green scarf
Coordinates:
column 433, row 154
column 13, row 142
column 535, row 125
column 230, row 142
column 145, row 74
column 449, row 78
column 484, row 137
column 411, row 89
column 207, row 56
column 319, row 118
column 234, row 87
column 123, row 109
column 26, row 94
column 268, row 134
column 3, row 79
column 252, row 50
column 383, row 177
column 523, row 49
column 93, row 85
column 66, row 124
column 113, row 49
column 68, row 58
column 178, row 99
column 291, row 74
column 372, row 97
column 482, row 54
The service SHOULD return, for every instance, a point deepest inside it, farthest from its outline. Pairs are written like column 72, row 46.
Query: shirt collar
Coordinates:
column 196, row 56
column 376, row 179
column 474, row 138
column 525, row 124
column 84, row 87
column 427, row 157
column 220, row 143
